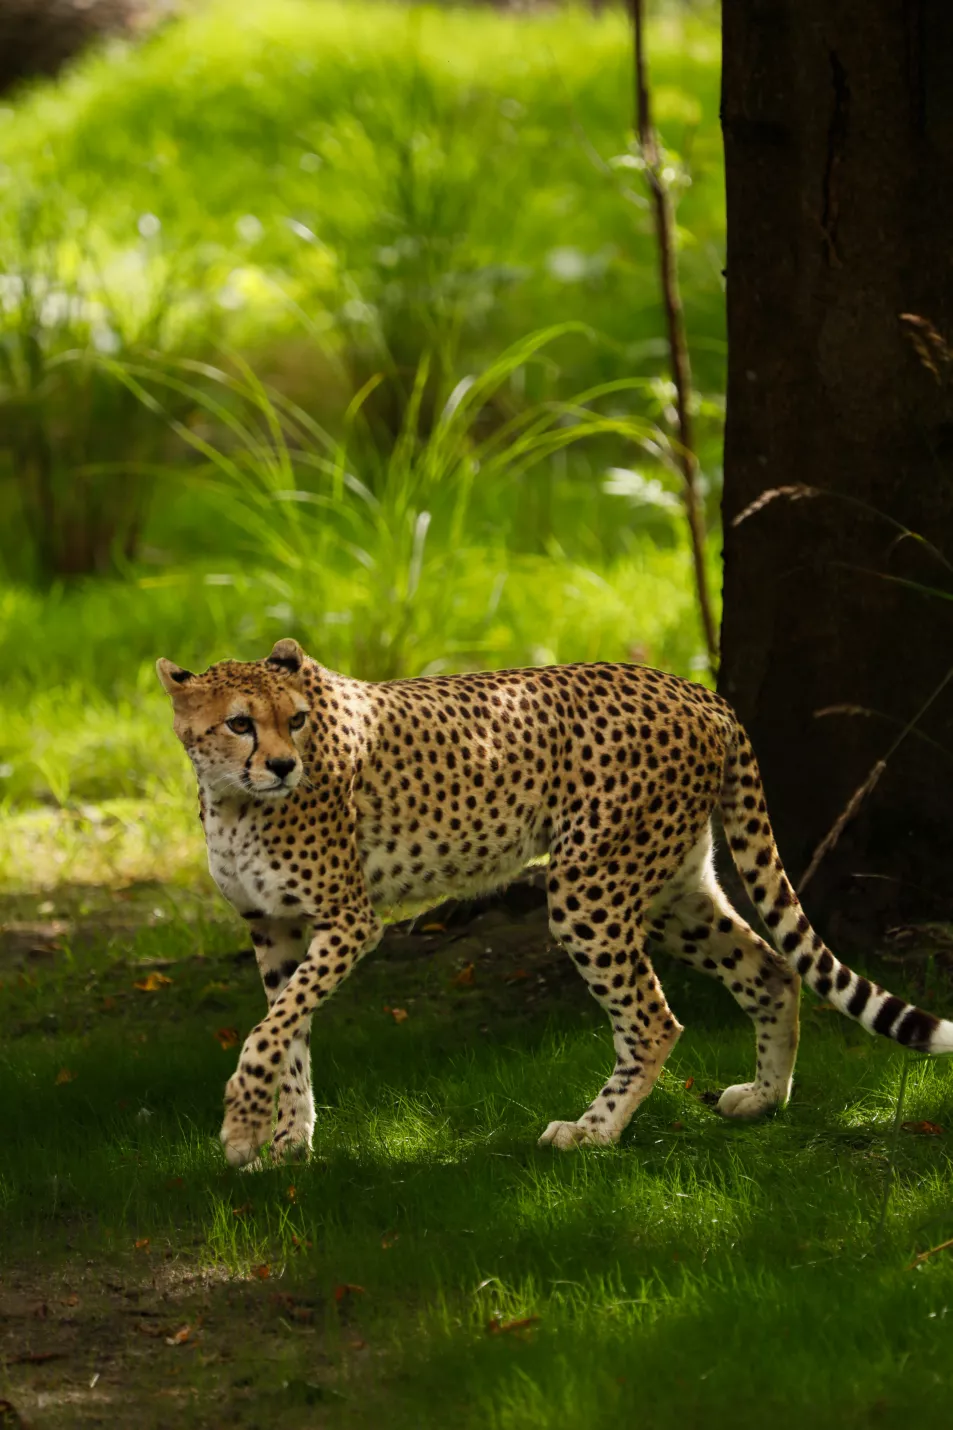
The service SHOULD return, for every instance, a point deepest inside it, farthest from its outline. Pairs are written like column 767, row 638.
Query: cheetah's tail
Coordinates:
column 755, row 853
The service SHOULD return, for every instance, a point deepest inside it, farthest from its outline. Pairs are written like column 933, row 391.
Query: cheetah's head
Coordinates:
column 244, row 724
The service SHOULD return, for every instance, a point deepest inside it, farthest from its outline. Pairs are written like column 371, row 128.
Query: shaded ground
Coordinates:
column 430, row 1264
column 87, row 1343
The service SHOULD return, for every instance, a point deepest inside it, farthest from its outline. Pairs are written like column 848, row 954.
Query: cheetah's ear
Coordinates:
column 173, row 677
column 288, row 655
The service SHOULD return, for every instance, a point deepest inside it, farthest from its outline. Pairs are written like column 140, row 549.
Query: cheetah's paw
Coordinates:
column 568, row 1135
column 747, row 1099
column 247, row 1125
column 241, row 1143
column 294, row 1131
column 291, row 1147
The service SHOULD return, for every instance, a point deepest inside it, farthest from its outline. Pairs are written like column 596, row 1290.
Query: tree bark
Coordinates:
column 838, row 128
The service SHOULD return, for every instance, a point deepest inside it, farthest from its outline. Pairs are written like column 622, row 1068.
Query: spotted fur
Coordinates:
column 416, row 789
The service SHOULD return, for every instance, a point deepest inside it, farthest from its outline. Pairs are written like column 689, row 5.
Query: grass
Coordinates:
column 303, row 183
column 318, row 225
column 275, row 222
column 333, row 157
column 703, row 1271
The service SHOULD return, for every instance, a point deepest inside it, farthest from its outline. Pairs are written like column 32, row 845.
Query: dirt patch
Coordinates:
column 494, row 957
column 110, row 1346
column 37, row 928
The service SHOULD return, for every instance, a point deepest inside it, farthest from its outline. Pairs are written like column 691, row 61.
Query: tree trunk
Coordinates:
column 838, row 127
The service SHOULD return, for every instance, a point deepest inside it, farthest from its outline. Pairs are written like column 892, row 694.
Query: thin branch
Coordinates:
column 925, row 1255
column 881, row 715
column 675, row 323
column 841, row 823
column 863, row 790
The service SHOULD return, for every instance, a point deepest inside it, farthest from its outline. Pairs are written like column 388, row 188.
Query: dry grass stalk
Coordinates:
column 930, row 346
column 795, row 492
column 841, row 823
column 863, row 790
column 925, row 1255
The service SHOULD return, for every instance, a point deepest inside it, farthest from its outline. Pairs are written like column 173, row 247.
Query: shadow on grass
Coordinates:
column 702, row 1272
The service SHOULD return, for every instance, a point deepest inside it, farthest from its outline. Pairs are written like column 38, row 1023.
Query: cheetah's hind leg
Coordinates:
column 610, row 955
column 693, row 921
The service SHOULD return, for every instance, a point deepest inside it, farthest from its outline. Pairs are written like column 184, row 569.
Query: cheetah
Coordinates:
column 326, row 800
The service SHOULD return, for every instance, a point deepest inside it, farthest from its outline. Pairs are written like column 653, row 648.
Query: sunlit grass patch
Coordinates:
column 94, row 785
column 293, row 176
column 120, row 840
column 322, row 210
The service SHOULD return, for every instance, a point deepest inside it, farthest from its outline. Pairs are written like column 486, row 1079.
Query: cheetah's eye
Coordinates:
column 240, row 725
column 297, row 720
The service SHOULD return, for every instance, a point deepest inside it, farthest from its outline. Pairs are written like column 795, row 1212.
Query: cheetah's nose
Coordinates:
column 280, row 767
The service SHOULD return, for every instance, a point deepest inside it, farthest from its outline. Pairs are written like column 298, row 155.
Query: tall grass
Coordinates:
column 265, row 325
column 309, row 185
column 384, row 564
column 422, row 512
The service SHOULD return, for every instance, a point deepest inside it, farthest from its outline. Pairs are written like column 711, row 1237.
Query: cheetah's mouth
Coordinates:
column 278, row 789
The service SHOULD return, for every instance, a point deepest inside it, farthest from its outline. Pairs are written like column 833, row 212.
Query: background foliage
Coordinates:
column 340, row 322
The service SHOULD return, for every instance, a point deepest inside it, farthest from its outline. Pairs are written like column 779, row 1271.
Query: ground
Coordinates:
column 431, row 1264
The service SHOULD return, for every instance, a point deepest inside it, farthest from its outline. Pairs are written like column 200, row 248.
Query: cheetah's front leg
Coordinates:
column 279, row 948
column 337, row 944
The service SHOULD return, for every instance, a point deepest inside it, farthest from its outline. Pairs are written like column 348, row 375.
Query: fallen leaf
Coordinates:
column 153, row 983
column 677, row 1126
column 923, row 1129
column 228, row 1037
column 495, row 1325
column 35, row 1357
column 109, row 1005
column 347, row 1289
column 298, row 1244
column 142, row 1244
column 689, row 1084
column 242, row 1210
column 263, row 1271
column 292, row 1194
column 465, row 978
column 519, row 975
column 399, row 1015
column 388, row 1239
column 71, row 1300
column 433, row 928
column 181, row 1336
column 357, row 1345
column 64, row 1075
column 144, row 1329
column 288, row 1304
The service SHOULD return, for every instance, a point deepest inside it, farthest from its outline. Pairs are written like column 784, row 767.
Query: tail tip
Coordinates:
column 941, row 1043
